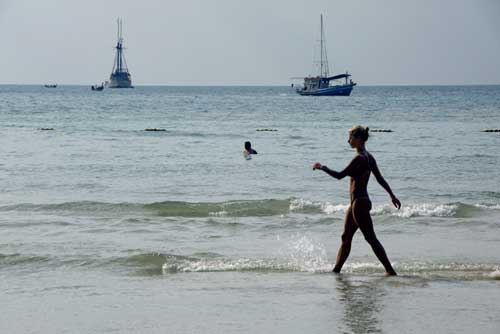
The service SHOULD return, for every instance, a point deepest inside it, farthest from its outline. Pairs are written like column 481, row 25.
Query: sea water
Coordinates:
column 107, row 228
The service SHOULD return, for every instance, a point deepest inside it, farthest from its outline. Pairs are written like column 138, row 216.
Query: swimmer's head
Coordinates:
column 358, row 135
column 248, row 145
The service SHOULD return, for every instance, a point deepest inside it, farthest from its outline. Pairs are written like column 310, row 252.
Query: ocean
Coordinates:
column 108, row 228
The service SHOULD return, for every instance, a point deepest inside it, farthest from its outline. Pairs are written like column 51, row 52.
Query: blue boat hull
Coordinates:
column 342, row 90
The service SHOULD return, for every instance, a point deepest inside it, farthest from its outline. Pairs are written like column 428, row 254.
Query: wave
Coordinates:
column 74, row 207
column 303, row 260
column 453, row 210
column 268, row 207
column 20, row 259
column 303, row 257
column 253, row 208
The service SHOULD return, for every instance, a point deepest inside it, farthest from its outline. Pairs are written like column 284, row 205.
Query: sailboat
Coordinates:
column 320, row 84
column 120, row 76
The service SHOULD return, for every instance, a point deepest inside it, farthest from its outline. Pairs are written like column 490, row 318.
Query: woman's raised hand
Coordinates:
column 317, row 165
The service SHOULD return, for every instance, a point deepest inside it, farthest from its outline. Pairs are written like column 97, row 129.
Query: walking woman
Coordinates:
column 358, row 213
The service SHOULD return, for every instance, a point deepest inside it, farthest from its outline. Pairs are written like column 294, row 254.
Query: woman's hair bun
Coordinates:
column 359, row 131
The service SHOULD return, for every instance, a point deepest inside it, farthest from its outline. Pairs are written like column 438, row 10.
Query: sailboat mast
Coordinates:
column 321, row 48
column 119, row 53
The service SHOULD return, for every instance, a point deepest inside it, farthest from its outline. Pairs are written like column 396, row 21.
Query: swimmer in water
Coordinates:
column 358, row 213
column 248, row 149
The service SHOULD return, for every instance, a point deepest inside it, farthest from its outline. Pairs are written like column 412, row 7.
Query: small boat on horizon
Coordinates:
column 320, row 85
column 97, row 88
column 50, row 86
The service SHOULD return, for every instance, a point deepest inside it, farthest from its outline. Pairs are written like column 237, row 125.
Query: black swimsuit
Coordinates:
column 359, row 171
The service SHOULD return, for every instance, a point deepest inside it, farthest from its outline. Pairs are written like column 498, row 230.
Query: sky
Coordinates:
column 243, row 42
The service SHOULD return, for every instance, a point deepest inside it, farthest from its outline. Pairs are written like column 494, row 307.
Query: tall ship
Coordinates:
column 120, row 76
column 323, row 84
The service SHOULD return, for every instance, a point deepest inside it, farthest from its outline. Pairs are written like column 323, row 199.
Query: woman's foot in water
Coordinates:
column 336, row 270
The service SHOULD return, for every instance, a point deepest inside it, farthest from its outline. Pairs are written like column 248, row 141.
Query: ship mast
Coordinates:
column 119, row 66
column 119, row 44
column 323, row 56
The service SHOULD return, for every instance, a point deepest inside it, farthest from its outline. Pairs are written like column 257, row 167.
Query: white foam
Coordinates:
column 429, row 269
column 303, row 254
column 488, row 206
column 363, row 267
column 495, row 275
column 299, row 204
column 326, row 207
column 406, row 211
column 214, row 265
column 417, row 210
column 427, row 210
column 334, row 208
column 218, row 213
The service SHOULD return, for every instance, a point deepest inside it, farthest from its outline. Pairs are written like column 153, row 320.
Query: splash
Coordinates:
column 305, row 254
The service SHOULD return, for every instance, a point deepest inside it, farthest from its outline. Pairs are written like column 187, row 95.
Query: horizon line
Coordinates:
column 254, row 85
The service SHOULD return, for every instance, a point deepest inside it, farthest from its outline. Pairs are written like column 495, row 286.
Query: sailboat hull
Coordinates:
column 120, row 80
column 340, row 90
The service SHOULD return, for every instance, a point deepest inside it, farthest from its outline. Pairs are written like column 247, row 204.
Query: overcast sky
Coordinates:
column 243, row 42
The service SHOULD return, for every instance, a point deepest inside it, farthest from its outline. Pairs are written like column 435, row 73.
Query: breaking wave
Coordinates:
column 299, row 256
column 455, row 210
column 304, row 257
column 252, row 208
column 431, row 271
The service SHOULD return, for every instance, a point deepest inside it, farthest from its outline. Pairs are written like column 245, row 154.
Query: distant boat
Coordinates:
column 320, row 84
column 120, row 76
column 98, row 88
column 50, row 86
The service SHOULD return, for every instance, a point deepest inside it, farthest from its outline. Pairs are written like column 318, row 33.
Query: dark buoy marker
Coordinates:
column 154, row 129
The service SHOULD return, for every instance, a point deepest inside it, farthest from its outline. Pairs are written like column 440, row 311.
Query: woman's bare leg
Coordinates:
column 361, row 213
column 350, row 228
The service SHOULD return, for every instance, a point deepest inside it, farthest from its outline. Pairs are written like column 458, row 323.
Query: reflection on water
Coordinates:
column 362, row 302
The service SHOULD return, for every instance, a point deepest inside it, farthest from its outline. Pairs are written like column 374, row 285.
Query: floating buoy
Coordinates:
column 381, row 130
column 154, row 129
column 491, row 130
column 269, row 130
column 46, row 129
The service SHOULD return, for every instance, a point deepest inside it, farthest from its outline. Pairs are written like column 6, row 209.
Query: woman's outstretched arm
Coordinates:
column 339, row 175
column 332, row 173
column 383, row 183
